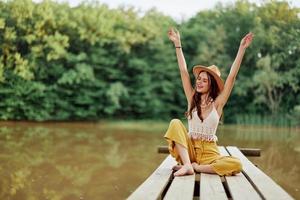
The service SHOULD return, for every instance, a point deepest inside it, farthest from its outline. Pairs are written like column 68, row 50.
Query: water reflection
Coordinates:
column 280, row 158
column 109, row 160
column 114, row 158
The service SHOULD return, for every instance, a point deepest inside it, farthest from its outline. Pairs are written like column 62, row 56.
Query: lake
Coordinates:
column 109, row 160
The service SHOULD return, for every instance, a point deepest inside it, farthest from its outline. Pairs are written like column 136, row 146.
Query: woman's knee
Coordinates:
column 177, row 132
column 175, row 122
column 232, row 165
column 237, row 165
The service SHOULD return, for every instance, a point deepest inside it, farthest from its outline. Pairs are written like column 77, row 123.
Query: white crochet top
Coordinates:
column 205, row 130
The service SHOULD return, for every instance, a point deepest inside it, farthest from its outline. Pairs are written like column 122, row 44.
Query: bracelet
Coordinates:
column 178, row 47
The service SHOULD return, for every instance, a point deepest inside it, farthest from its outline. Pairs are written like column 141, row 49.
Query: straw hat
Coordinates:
column 212, row 70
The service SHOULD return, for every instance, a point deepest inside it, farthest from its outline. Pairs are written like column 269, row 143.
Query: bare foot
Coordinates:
column 186, row 169
column 176, row 167
column 196, row 167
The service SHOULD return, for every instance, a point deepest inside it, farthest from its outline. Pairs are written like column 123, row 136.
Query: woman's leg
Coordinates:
column 180, row 147
column 187, row 167
column 227, row 165
column 223, row 166
column 209, row 160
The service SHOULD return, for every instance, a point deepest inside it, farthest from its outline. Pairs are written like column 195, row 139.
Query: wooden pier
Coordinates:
column 252, row 183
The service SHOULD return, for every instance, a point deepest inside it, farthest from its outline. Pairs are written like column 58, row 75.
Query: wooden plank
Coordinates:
column 211, row 187
column 154, row 185
column 250, row 152
column 246, row 151
column 240, row 188
column 223, row 151
column 182, row 188
column 238, row 185
column 263, row 183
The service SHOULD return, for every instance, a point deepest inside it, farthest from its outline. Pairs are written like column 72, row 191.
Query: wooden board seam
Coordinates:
column 250, row 181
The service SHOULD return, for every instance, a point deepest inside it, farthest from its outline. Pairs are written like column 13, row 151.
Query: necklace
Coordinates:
column 205, row 105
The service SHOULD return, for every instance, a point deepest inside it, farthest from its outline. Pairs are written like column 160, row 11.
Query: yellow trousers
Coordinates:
column 201, row 152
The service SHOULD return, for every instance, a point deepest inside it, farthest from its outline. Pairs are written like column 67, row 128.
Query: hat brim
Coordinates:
column 199, row 68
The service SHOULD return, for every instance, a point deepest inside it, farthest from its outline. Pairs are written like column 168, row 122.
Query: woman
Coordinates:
column 196, row 150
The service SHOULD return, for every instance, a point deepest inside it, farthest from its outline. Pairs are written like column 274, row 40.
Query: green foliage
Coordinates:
column 90, row 62
column 295, row 115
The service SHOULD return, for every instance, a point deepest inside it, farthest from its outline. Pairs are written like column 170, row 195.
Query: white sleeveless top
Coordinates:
column 206, row 130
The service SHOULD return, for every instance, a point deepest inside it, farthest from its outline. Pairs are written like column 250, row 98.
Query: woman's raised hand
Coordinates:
column 246, row 41
column 174, row 36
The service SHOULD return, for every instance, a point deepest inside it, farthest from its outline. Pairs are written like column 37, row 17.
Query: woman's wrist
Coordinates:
column 177, row 45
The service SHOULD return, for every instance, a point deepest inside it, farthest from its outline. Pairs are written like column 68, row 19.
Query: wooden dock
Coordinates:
column 252, row 183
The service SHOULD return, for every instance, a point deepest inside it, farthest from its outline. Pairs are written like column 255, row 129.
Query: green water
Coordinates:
column 108, row 160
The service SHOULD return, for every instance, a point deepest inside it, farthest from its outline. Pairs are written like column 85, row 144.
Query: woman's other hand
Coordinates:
column 246, row 41
column 174, row 36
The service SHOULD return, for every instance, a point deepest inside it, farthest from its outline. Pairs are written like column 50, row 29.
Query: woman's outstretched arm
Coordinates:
column 223, row 97
column 174, row 36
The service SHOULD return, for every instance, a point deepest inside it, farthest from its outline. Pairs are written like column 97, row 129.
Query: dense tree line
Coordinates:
column 91, row 62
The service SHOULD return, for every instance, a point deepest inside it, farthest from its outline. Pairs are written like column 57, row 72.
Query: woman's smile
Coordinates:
column 199, row 87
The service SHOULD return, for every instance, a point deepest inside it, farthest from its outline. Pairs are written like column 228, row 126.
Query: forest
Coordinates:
column 91, row 62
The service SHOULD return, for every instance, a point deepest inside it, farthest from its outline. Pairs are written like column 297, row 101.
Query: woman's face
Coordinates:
column 202, row 83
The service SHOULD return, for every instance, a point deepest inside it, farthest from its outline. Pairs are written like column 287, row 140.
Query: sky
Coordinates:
column 178, row 9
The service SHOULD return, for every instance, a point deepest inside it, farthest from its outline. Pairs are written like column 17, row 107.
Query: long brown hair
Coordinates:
column 213, row 92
